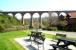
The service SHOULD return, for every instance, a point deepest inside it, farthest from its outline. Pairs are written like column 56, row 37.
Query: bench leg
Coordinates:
column 38, row 47
column 43, row 46
column 31, row 42
column 54, row 48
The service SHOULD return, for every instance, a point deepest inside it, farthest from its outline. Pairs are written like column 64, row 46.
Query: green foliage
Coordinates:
column 2, row 28
column 7, row 21
column 45, row 22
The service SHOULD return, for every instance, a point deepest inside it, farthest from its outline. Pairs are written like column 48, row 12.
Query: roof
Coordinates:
column 72, row 14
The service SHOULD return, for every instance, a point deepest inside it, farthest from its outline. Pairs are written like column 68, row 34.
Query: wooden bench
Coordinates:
column 58, row 35
column 55, row 46
column 38, row 38
column 31, row 35
column 62, row 35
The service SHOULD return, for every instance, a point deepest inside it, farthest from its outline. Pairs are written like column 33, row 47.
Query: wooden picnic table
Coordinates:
column 37, row 37
column 67, row 41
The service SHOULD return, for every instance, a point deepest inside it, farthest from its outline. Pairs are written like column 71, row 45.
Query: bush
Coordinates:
column 59, row 27
column 10, row 29
column 2, row 28
column 53, row 28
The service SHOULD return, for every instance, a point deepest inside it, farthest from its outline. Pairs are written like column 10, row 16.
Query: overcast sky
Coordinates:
column 31, row 5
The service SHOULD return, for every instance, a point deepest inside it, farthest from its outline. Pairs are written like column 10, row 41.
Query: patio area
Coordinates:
column 27, row 45
column 23, row 41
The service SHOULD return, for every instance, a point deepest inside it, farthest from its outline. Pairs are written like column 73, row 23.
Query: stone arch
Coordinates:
column 18, row 16
column 54, row 14
column 63, row 14
column 35, row 17
column 45, row 20
column 53, row 19
column 45, row 15
column 27, row 17
column 10, row 14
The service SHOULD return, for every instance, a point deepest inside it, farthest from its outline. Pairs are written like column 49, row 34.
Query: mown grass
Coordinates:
column 7, row 40
column 50, row 36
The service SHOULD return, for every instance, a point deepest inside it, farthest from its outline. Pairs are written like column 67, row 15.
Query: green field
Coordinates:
column 7, row 40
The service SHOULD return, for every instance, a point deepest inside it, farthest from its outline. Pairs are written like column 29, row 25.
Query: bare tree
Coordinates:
column 53, row 20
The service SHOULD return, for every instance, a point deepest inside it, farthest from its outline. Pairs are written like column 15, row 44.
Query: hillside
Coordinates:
column 7, row 21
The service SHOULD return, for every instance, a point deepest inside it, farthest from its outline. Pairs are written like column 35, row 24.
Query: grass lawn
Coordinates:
column 7, row 39
column 7, row 42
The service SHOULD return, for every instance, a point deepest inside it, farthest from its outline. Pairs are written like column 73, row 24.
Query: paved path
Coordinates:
column 28, row 46
column 69, row 34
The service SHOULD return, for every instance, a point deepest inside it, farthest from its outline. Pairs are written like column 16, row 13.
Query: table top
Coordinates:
column 67, row 39
column 36, row 31
column 70, row 41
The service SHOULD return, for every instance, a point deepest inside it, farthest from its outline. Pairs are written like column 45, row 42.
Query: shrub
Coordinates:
column 2, row 28
column 10, row 29
column 59, row 27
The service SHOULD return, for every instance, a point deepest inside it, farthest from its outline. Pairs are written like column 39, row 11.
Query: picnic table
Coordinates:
column 35, row 34
column 66, row 42
column 38, row 38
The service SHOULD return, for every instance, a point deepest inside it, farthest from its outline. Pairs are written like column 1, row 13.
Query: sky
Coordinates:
column 37, row 5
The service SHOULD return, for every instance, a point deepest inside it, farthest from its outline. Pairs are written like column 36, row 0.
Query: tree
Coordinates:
column 62, row 22
column 69, row 24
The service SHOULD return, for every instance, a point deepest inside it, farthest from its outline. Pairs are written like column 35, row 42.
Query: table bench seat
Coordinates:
column 60, row 47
